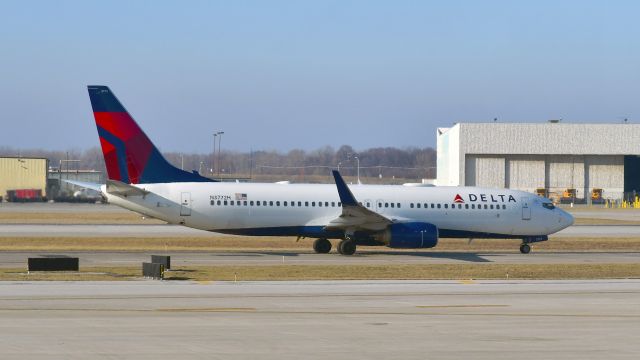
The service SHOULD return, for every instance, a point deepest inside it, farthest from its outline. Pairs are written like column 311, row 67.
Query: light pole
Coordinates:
column 219, row 142
column 358, row 162
column 213, row 156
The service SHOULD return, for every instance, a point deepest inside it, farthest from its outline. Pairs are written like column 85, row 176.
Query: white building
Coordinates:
column 550, row 156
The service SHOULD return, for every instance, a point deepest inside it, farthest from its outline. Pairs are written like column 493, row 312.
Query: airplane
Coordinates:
column 409, row 217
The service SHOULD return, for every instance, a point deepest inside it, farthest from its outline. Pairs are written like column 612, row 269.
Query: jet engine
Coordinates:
column 410, row 235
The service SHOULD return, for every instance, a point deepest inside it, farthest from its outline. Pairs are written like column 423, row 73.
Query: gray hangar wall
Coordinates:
column 550, row 156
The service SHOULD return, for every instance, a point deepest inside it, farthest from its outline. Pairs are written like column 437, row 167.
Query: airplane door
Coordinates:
column 526, row 210
column 185, row 204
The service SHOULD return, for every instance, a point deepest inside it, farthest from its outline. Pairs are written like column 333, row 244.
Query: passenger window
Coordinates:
column 258, row 203
column 313, row 203
column 299, row 203
column 446, row 206
column 491, row 206
column 306, row 203
column 425, row 205
column 251, row 203
column 439, row 206
column 386, row 205
column 504, row 207
column 326, row 204
column 466, row 206
column 219, row 202
column 411, row 205
column 398, row 205
column 418, row 205
column 277, row 203
column 368, row 205
column 284, row 203
column 459, row 206
column 339, row 204
column 485, row 206
column 319, row 203
column 231, row 203
column 213, row 202
column 379, row 205
column 392, row 204
column 245, row 203
column 473, row 206
column 333, row 204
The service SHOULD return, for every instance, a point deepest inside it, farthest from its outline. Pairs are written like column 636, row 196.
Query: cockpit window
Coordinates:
column 549, row 206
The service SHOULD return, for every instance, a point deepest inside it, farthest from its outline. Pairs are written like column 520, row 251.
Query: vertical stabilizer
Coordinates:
column 129, row 155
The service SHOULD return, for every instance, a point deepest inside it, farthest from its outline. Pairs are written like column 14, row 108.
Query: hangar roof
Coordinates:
column 545, row 138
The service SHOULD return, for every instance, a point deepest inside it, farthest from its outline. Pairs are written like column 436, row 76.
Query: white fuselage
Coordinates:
column 302, row 209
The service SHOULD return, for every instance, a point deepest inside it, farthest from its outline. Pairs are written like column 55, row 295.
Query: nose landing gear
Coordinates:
column 525, row 248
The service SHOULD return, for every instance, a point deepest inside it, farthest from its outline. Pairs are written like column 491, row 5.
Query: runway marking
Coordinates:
column 467, row 282
column 204, row 282
column 323, row 313
column 211, row 309
column 461, row 306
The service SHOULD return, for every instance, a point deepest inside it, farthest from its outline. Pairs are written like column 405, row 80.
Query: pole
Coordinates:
column 358, row 162
column 213, row 154
column 219, row 142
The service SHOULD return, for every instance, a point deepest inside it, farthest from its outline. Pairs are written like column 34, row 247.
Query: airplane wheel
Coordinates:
column 525, row 248
column 347, row 247
column 322, row 246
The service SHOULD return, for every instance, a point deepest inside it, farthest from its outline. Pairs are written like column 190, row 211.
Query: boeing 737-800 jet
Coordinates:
column 141, row 180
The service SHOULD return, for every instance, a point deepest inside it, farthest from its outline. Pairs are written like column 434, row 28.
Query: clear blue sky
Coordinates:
column 304, row 74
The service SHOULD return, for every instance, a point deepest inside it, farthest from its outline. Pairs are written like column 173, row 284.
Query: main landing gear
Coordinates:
column 322, row 246
column 347, row 247
column 525, row 248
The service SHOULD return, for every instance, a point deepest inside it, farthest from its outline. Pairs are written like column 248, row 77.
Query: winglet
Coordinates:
column 346, row 197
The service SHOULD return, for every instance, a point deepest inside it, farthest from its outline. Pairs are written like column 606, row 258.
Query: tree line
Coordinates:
column 382, row 163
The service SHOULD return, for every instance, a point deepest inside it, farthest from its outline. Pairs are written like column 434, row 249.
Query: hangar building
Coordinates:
column 23, row 178
column 547, row 157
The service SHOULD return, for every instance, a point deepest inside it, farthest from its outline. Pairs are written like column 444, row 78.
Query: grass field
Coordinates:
column 238, row 243
column 347, row 272
column 75, row 218
column 308, row 272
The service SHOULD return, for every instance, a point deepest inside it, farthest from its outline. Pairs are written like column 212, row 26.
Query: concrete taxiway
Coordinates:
column 18, row 259
column 165, row 230
column 321, row 319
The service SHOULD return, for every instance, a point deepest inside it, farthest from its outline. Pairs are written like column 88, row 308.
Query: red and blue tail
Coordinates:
column 129, row 155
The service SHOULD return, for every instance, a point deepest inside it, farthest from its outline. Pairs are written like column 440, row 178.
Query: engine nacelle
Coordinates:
column 411, row 235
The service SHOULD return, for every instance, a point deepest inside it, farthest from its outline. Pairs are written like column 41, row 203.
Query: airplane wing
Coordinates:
column 354, row 217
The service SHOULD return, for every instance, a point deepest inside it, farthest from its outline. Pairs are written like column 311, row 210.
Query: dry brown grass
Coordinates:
column 75, row 218
column 597, row 221
column 348, row 272
column 238, row 243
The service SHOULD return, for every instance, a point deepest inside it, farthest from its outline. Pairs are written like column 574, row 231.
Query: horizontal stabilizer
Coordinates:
column 116, row 187
column 86, row 185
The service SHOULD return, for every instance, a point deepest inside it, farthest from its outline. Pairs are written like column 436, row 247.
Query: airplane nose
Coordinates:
column 566, row 219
